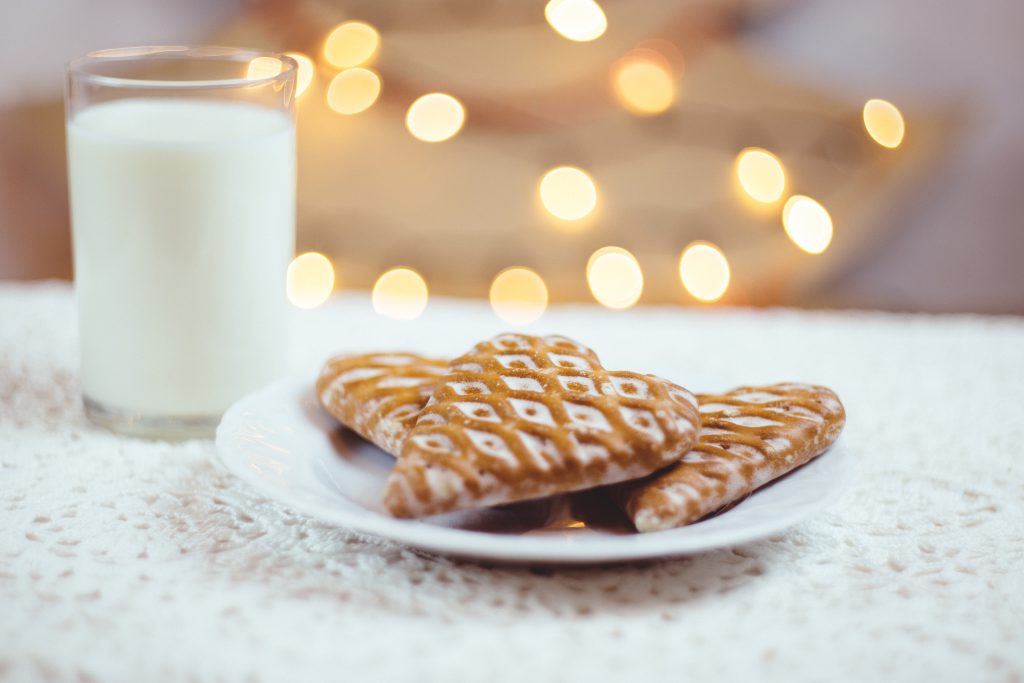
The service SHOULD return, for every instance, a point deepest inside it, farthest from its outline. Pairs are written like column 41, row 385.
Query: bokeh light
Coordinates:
column 305, row 72
column 884, row 123
column 351, row 43
column 310, row 280
column 643, row 83
column 579, row 20
column 807, row 223
column 435, row 117
column 263, row 67
column 704, row 271
column 614, row 277
column 353, row 91
column 519, row 295
column 760, row 174
column 400, row 293
column 568, row 193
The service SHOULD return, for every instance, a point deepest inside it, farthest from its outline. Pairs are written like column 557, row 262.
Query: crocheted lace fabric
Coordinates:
column 126, row 560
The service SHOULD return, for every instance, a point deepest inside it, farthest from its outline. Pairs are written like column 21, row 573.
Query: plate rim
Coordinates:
column 482, row 546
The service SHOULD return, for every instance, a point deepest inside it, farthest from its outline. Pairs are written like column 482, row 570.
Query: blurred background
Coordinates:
column 813, row 153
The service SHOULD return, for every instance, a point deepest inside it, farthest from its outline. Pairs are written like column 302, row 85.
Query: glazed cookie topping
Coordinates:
column 522, row 417
column 749, row 436
column 379, row 395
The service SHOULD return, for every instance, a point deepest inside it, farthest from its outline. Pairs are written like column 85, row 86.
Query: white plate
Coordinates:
column 280, row 441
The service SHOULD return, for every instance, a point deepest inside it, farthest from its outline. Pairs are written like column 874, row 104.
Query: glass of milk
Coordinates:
column 181, row 167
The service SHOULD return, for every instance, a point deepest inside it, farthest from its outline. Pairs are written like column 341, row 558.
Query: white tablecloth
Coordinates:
column 124, row 560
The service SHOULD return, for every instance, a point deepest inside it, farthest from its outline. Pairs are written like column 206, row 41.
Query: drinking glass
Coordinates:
column 181, row 169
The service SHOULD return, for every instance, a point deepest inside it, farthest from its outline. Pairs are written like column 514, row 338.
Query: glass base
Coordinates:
column 149, row 427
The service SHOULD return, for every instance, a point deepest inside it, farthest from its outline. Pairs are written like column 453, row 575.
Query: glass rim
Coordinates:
column 77, row 67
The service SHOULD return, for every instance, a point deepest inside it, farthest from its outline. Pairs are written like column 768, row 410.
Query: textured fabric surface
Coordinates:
column 124, row 560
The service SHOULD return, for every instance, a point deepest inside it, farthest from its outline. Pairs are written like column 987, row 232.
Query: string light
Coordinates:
column 519, row 296
column 704, row 271
column 351, row 43
column 643, row 83
column 807, row 223
column 435, row 117
column 760, row 174
column 884, row 123
column 400, row 293
column 353, row 91
column 568, row 193
column 579, row 20
column 263, row 67
column 615, row 277
column 305, row 72
column 310, row 280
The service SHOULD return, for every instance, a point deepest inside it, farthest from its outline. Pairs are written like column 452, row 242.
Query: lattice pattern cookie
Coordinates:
column 522, row 417
column 749, row 436
column 379, row 395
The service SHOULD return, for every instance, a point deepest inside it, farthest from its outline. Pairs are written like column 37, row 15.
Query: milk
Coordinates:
column 183, row 218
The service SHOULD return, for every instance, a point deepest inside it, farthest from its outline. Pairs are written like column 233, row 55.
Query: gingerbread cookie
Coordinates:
column 522, row 417
column 379, row 395
column 749, row 436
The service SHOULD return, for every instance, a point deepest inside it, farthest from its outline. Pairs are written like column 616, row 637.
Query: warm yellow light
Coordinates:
column 518, row 296
column 615, row 278
column 760, row 174
column 263, row 67
column 807, row 223
column 568, row 193
column 704, row 271
column 351, row 44
column 884, row 123
column 305, row 72
column 310, row 279
column 400, row 293
column 643, row 85
column 435, row 117
column 353, row 91
column 579, row 20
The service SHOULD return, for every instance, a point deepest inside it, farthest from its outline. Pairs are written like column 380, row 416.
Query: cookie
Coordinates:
column 522, row 417
column 379, row 395
column 749, row 436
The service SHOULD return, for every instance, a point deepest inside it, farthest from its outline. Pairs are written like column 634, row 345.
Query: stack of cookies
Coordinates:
column 520, row 417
